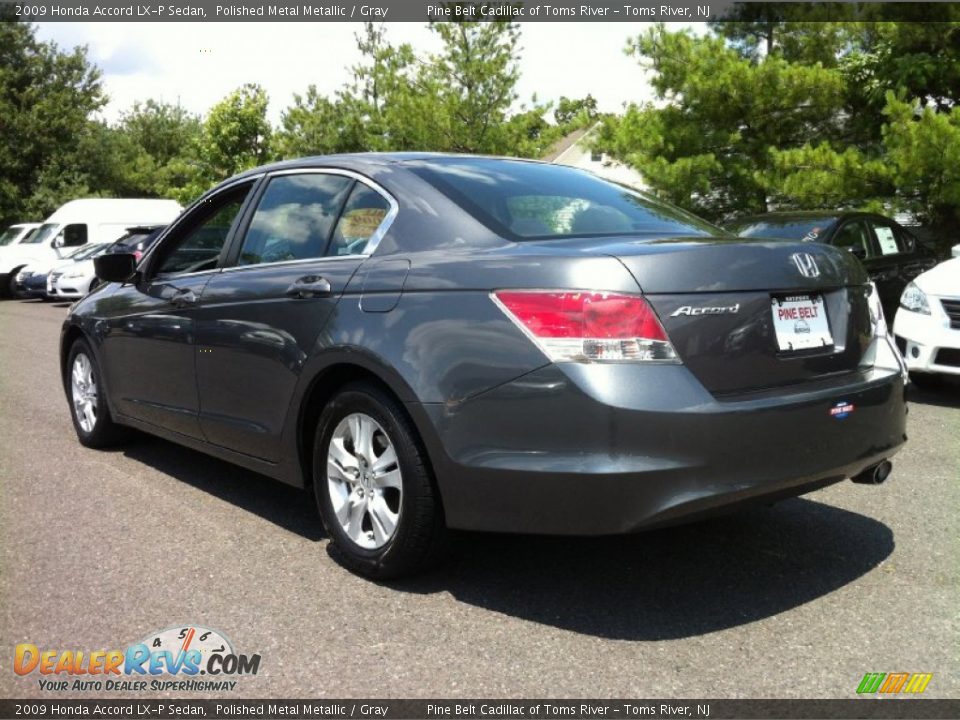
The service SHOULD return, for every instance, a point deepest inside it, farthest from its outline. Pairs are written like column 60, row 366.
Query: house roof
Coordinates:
column 564, row 144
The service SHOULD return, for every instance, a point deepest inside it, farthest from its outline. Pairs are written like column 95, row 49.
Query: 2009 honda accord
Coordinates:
column 434, row 341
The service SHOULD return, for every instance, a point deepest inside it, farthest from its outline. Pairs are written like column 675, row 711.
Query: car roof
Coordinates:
column 371, row 160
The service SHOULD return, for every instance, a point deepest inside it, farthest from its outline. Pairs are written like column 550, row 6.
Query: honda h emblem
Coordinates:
column 806, row 264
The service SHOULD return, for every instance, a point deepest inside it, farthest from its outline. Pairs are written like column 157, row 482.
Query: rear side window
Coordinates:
column 295, row 218
column 362, row 216
column 529, row 200
column 888, row 240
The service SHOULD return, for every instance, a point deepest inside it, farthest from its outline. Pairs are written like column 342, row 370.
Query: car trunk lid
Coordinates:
column 746, row 315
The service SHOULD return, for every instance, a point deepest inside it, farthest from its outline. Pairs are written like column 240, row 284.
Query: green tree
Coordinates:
column 461, row 99
column 705, row 144
column 575, row 112
column 898, row 148
column 47, row 99
column 475, row 76
column 236, row 136
column 379, row 108
column 922, row 146
column 314, row 125
column 155, row 140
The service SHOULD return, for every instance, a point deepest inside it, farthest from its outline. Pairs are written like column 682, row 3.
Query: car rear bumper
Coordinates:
column 927, row 342
column 593, row 449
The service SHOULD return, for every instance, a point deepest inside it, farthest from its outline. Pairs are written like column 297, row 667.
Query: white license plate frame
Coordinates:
column 800, row 322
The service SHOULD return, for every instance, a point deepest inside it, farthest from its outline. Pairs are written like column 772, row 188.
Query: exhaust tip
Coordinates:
column 875, row 475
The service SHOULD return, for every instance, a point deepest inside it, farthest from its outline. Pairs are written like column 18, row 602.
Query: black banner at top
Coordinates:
column 465, row 10
column 476, row 709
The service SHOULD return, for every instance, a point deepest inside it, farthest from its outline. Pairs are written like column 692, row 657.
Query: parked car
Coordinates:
column 927, row 326
column 32, row 283
column 137, row 240
column 77, row 223
column 16, row 234
column 76, row 278
column 433, row 341
column 33, row 280
column 891, row 254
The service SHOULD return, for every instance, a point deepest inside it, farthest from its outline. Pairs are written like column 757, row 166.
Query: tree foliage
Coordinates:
column 705, row 143
column 781, row 106
column 768, row 112
column 462, row 99
column 47, row 140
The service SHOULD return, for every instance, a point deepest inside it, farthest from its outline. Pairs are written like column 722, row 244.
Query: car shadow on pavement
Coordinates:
column 943, row 392
column 671, row 583
column 662, row 584
column 288, row 507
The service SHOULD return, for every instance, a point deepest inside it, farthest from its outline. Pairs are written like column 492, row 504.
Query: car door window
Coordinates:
column 294, row 218
column 198, row 245
column 362, row 216
column 75, row 235
column 888, row 239
column 853, row 236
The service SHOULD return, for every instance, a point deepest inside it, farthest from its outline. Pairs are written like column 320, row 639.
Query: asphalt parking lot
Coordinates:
column 99, row 549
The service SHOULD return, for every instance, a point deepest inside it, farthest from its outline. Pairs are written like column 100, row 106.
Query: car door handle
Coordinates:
column 183, row 298
column 310, row 286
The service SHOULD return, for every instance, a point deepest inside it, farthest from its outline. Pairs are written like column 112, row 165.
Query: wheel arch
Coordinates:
column 70, row 335
column 327, row 381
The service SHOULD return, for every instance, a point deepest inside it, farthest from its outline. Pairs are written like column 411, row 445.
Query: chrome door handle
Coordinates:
column 310, row 286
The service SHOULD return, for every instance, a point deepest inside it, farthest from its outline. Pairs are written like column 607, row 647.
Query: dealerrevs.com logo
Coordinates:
column 181, row 658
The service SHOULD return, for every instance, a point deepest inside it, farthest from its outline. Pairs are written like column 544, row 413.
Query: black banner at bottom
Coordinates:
column 866, row 708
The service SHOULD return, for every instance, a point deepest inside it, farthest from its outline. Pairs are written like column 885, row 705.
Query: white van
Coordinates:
column 77, row 223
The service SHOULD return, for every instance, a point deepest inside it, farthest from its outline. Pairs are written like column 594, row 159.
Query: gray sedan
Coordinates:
column 436, row 342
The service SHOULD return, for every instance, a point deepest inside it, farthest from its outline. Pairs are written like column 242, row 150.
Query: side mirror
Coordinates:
column 115, row 267
column 58, row 241
column 858, row 252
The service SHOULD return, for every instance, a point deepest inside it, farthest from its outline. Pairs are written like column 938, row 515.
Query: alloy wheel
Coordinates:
column 364, row 481
column 83, row 389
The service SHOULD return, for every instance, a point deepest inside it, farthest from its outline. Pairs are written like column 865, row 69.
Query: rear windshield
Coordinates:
column 131, row 240
column 531, row 201
column 804, row 229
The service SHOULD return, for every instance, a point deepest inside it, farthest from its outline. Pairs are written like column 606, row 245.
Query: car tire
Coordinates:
column 10, row 287
column 361, row 488
column 89, row 412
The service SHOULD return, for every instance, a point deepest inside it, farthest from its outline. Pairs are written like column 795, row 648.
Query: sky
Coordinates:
column 196, row 64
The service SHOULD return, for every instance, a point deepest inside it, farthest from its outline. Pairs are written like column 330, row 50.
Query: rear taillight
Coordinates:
column 137, row 254
column 572, row 326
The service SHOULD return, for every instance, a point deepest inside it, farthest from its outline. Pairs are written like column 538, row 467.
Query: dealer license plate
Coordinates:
column 800, row 322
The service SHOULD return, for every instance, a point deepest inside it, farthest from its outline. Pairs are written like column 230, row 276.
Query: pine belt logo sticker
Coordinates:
column 894, row 683
column 184, row 657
